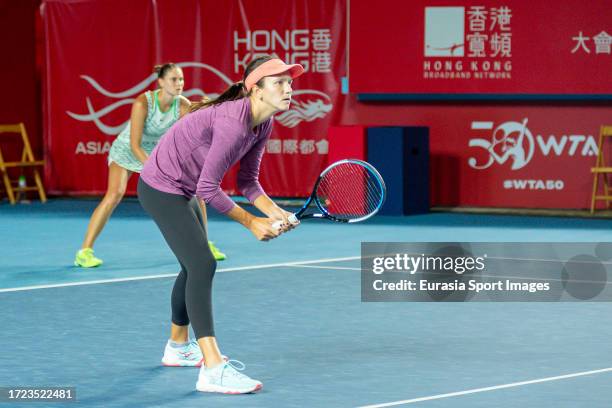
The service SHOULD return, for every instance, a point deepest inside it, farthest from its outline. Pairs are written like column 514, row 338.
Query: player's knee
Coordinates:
column 206, row 266
column 201, row 264
column 209, row 264
column 114, row 197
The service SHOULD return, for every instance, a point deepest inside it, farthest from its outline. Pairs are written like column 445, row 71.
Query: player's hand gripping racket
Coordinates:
column 346, row 191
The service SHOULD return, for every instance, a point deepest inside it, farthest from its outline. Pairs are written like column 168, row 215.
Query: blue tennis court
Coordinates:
column 290, row 309
column 449, row 164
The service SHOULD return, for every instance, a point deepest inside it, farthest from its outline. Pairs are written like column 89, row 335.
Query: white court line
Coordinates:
column 328, row 267
column 493, row 388
column 170, row 275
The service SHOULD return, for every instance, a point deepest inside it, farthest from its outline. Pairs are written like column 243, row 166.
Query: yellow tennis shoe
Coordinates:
column 85, row 259
column 219, row 256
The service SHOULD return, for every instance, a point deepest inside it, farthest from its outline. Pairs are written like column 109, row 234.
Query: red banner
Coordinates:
column 93, row 76
column 502, row 156
column 484, row 47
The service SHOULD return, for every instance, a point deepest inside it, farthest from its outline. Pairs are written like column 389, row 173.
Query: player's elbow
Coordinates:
column 244, row 183
column 207, row 191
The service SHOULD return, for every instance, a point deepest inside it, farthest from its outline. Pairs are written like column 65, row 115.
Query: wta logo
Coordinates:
column 510, row 140
column 307, row 105
column 514, row 142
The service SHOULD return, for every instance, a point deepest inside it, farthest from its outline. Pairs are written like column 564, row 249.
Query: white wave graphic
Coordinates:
column 308, row 110
column 96, row 115
column 128, row 92
column 141, row 86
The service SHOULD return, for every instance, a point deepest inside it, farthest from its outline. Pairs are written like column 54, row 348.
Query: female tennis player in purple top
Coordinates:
column 185, row 169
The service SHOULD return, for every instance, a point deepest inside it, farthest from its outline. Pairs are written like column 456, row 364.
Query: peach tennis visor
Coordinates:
column 272, row 67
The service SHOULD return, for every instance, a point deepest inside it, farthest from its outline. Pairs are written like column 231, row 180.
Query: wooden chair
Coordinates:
column 27, row 161
column 601, row 170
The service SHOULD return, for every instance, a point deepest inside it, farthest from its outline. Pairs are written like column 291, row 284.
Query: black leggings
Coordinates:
column 181, row 223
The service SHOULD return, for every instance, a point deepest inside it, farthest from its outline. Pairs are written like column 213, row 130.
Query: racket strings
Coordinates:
column 340, row 199
column 350, row 190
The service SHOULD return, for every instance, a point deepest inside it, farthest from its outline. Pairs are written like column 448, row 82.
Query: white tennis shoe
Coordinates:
column 189, row 355
column 225, row 378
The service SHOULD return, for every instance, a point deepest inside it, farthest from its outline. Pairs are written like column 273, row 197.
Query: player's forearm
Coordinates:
column 240, row 215
column 266, row 205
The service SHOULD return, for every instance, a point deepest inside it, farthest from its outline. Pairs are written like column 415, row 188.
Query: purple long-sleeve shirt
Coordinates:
column 196, row 152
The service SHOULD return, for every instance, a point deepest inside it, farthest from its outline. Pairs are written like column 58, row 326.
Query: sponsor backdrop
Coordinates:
column 503, row 155
column 92, row 78
column 520, row 155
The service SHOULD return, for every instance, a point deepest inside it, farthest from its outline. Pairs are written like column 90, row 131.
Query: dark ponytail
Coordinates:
column 162, row 70
column 235, row 91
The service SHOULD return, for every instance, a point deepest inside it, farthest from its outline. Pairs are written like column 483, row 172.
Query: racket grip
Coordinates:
column 292, row 219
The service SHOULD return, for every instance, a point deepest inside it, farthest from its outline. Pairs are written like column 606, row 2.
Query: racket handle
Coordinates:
column 292, row 219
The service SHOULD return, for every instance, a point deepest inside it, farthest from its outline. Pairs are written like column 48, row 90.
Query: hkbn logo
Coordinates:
column 444, row 31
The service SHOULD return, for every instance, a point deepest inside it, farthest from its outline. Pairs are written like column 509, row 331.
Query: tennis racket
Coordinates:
column 346, row 191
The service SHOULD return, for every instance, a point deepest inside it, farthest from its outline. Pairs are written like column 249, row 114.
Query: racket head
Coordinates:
column 349, row 190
